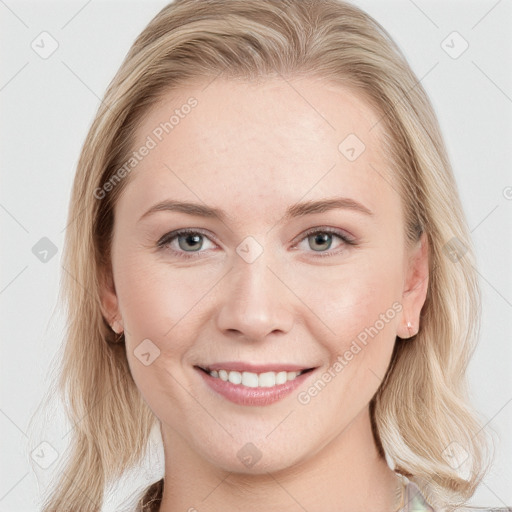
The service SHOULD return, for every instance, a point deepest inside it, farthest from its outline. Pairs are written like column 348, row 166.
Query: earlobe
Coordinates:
column 116, row 327
column 109, row 302
column 415, row 288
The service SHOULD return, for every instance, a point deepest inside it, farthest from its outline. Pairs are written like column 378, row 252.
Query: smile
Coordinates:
column 256, row 388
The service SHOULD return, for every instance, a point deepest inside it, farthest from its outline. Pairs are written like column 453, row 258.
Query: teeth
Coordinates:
column 266, row 380
column 249, row 379
column 235, row 377
column 281, row 377
column 254, row 380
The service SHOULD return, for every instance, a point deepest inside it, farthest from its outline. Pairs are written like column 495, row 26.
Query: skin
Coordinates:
column 253, row 150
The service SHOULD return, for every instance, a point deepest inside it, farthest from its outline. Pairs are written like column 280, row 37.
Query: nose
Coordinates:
column 256, row 301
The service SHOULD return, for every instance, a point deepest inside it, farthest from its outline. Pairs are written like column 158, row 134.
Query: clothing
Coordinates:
column 414, row 501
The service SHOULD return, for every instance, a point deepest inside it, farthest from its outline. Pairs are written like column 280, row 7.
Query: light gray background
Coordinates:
column 47, row 106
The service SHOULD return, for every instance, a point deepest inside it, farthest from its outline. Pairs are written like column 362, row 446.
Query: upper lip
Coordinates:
column 241, row 366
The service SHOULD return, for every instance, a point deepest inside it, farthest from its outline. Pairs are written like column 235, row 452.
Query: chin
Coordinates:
column 275, row 463
column 258, row 457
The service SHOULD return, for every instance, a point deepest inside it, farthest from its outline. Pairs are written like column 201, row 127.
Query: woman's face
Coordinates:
column 269, row 281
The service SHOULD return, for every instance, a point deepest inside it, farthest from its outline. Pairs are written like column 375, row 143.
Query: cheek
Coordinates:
column 361, row 311
column 360, row 305
column 163, row 305
column 157, row 307
column 350, row 298
column 153, row 298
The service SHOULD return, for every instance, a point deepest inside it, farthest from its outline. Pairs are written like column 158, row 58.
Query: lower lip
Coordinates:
column 244, row 395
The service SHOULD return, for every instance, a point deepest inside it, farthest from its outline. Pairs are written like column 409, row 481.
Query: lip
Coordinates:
column 243, row 395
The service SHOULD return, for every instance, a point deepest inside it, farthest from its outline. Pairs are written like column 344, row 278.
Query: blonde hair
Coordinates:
column 421, row 407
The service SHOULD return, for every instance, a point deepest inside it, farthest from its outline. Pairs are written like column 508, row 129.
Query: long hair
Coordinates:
column 420, row 414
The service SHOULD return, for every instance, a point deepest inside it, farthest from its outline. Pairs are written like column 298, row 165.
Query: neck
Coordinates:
column 347, row 474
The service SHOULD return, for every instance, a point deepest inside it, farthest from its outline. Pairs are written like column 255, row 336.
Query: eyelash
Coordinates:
column 168, row 238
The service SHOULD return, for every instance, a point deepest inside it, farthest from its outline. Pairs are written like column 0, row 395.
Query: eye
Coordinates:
column 320, row 240
column 188, row 241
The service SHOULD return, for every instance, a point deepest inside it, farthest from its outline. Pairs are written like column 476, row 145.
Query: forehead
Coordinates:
column 278, row 138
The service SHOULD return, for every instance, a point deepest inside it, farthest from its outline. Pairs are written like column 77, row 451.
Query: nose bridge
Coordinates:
column 256, row 302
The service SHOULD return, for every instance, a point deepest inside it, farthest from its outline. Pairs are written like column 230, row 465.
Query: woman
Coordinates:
column 267, row 258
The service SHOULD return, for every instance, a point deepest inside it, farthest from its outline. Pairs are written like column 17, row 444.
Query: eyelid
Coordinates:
column 344, row 235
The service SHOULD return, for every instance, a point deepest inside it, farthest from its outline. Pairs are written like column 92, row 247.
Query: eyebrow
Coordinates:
column 296, row 210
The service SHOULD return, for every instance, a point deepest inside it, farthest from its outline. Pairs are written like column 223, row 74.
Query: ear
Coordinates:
column 415, row 288
column 109, row 302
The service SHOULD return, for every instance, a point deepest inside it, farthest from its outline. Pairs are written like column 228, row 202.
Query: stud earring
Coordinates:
column 116, row 327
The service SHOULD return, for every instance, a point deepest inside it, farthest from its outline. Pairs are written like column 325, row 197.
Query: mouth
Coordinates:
column 255, row 379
